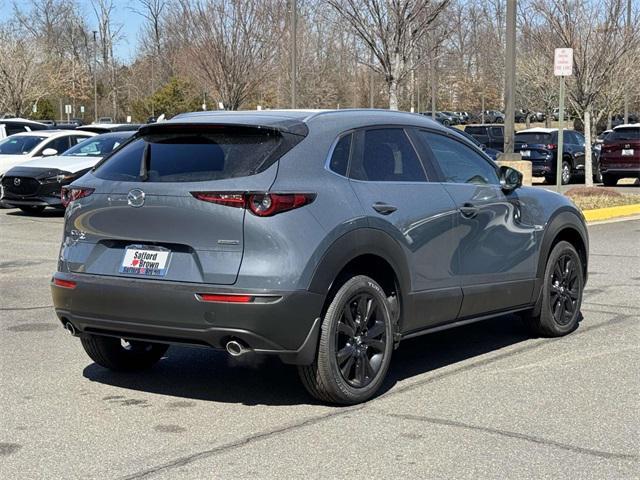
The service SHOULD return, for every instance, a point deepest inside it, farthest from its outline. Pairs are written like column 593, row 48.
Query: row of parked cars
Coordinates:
column 37, row 160
column 615, row 154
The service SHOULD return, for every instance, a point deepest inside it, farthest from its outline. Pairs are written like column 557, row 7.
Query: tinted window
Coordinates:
column 19, row 145
column 340, row 158
column 387, row 156
column 579, row 138
column 475, row 130
column 458, row 162
column 96, row 146
column 534, row 138
column 624, row 134
column 497, row 131
column 59, row 144
column 194, row 156
column 13, row 129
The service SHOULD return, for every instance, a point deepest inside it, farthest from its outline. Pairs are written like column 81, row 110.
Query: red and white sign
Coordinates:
column 563, row 62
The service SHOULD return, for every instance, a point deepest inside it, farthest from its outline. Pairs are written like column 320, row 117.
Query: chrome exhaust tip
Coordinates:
column 235, row 348
column 68, row 326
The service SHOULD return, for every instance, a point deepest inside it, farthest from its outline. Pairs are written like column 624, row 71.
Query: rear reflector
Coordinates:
column 214, row 297
column 58, row 282
column 260, row 204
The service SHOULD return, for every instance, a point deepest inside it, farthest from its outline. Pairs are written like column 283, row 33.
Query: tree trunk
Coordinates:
column 393, row 94
column 588, row 170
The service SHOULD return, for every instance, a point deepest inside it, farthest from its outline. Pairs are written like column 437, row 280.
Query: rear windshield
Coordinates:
column 624, row 134
column 534, row 138
column 213, row 153
column 475, row 130
column 19, row 145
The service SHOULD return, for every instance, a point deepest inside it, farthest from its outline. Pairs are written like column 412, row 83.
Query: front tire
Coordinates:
column 120, row 355
column 356, row 343
column 597, row 176
column 559, row 310
column 566, row 172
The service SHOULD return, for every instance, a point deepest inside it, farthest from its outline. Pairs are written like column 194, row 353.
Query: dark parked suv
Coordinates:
column 325, row 238
column 491, row 136
column 620, row 154
column 540, row 147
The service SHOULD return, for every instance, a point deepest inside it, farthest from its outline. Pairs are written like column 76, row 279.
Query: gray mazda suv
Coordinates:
column 324, row 238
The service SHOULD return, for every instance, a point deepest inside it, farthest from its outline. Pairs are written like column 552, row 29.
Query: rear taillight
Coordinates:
column 260, row 204
column 551, row 146
column 69, row 194
column 58, row 282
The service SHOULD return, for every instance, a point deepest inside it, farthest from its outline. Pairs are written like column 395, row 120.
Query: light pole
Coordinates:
column 294, row 51
column 626, row 90
column 95, row 76
column 510, row 78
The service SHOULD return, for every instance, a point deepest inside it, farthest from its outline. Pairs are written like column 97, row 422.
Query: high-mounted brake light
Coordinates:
column 69, row 194
column 260, row 204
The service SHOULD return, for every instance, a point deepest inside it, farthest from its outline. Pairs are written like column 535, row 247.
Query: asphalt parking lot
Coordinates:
column 482, row 401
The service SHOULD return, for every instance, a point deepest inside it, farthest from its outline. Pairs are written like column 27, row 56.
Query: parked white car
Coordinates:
column 11, row 126
column 35, row 185
column 22, row 147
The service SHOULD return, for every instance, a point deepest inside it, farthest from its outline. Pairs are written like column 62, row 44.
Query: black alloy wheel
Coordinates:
column 563, row 290
column 360, row 340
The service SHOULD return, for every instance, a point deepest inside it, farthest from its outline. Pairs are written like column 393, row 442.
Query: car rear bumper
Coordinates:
column 32, row 202
column 282, row 323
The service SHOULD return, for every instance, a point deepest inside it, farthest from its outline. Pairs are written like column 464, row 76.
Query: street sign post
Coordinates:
column 562, row 67
column 67, row 110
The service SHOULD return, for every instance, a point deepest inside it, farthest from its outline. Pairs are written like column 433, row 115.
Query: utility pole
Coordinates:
column 294, row 51
column 510, row 79
column 95, row 76
column 626, row 90
column 371, row 80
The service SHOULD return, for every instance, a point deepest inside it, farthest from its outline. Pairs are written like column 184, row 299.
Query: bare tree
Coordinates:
column 231, row 45
column 392, row 30
column 109, row 35
column 23, row 80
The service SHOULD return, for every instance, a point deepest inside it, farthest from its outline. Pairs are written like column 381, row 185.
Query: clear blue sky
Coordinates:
column 129, row 20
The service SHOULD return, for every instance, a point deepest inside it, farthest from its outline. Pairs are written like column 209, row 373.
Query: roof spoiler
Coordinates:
column 291, row 126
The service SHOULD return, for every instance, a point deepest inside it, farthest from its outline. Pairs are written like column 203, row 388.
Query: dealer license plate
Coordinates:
column 147, row 261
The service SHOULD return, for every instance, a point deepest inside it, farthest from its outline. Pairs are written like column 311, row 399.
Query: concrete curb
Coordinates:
column 600, row 214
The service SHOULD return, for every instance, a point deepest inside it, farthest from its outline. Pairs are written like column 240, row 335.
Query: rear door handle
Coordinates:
column 469, row 210
column 383, row 208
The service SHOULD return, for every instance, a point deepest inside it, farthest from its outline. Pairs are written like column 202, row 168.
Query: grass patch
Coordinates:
column 597, row 197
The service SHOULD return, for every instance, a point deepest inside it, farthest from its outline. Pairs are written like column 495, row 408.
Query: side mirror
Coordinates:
column 483, row 147
column 48, row 152
column 510, row 178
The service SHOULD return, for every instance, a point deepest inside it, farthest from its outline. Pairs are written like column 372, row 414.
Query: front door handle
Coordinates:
column 469, row 210
column 383, row 208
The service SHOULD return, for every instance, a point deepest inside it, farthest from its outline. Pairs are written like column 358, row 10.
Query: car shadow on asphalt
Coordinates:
column 47, row 213
column 203, row 374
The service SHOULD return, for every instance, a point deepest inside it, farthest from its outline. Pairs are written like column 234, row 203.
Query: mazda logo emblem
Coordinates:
column 135, row 198
column 17, row 182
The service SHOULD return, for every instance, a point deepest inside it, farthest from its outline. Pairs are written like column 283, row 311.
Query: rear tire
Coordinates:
column 356, row 343
column 122, row 356
column 597, row 174
column 559, row 310
column 609, row 180
column 32, row 209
